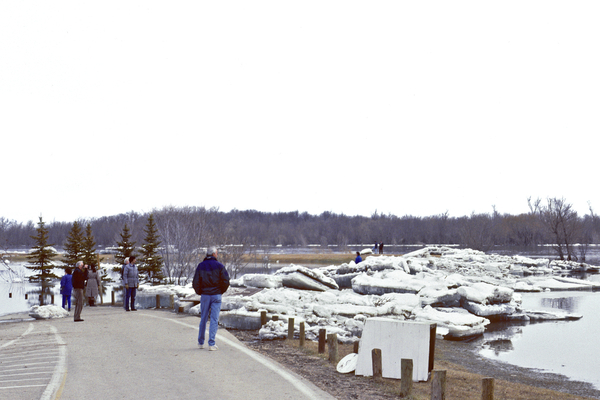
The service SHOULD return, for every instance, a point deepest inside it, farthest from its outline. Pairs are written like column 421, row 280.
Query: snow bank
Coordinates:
column 47, row 312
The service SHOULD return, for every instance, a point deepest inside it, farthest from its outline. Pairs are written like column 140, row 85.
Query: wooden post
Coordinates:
column 263, row 318
column 275, row 317
column 302, row 334
column 356, row 344
column 101, row 297
column 438, row 385
column 290, row 328
column 41, row 299
column 376, row 360
column 25, row 296
column 406, row 377
column 322, row 340
column 158, row 301
column 112, row 297
column 51, row 299
column 10, row 295
column 487, row 386
column 332, row 344
column 180, row 309
column 172, row 302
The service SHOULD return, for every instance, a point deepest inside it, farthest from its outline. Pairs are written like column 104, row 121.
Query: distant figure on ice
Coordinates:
column 66, row 288
column 93, row 286
column 381, row 248
column 358, row 257
column 375, row 248
column 131, row 282
column 211, row 280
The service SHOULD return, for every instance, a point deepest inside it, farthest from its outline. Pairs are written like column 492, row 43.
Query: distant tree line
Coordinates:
column 182, row 231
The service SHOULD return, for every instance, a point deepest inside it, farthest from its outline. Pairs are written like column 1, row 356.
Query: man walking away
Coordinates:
column 211, row 280
column 78, row 286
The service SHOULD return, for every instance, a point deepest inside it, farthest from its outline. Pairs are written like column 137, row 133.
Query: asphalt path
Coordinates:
column 147, row 354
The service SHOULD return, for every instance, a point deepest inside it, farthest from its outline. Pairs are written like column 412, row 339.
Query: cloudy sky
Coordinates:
column 344, row 106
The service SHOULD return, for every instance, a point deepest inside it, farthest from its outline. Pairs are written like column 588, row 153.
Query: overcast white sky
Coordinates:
column 351, row 107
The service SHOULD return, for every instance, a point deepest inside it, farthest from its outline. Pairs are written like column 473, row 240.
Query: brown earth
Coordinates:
column 464, row 373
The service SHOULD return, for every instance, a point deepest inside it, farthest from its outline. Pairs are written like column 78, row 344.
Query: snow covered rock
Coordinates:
column 47, row 312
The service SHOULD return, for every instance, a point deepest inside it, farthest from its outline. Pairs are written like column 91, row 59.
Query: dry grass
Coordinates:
column 460, row 383
column 320, row 259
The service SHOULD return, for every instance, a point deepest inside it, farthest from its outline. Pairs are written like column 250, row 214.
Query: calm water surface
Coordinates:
column 570, row 348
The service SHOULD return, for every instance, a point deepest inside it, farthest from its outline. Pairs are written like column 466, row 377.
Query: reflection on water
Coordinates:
column 562, row 303
column 499, row 346
column 556, row 346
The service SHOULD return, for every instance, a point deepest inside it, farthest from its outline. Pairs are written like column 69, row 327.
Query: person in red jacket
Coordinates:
column 211, row 280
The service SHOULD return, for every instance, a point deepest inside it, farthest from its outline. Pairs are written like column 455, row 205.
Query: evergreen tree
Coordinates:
column 74, row 245
column 89, row 248
column 125, row 248
column 40, row 257
column 151, row 261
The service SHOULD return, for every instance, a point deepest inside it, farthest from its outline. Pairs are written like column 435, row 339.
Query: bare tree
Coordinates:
column 184, row 232
column 564, row 226
column 477, row 232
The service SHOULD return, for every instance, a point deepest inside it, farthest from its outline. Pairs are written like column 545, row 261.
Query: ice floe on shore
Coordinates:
column 461, row 290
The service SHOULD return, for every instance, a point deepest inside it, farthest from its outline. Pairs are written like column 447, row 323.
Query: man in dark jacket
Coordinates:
column 78, row 280
column 211, row 280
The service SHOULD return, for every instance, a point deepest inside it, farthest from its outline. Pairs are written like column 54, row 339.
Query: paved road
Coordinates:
column 146, row 354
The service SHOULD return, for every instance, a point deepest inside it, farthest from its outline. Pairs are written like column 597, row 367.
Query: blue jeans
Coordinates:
column 130, row 294
column 209, row 304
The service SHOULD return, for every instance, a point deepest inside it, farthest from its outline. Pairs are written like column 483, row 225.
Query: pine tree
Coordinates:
column 151, row 261
column 125, row 247
column 41, row 255
column 89, row 248
column 74, row 245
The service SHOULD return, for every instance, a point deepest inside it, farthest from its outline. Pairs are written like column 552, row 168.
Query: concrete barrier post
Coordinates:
column 406, row 365
column 487, row 392
column 438, row 385
column 332, row 344
column 290, row 335
column 377, row 365
column 322, row 333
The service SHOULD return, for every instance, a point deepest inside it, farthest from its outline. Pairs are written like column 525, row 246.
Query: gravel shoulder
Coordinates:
column 458, row 358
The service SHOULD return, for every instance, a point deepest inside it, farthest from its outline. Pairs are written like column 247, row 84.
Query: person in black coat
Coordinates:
column 211, row 280
column 79, row 278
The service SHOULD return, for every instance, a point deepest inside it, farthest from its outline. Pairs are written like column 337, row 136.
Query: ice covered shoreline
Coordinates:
column 461, row 290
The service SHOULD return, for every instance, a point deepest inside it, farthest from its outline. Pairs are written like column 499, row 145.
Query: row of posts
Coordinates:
column 438, row 377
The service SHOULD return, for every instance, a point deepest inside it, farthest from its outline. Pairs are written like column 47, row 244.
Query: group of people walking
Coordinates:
column 83, row 282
